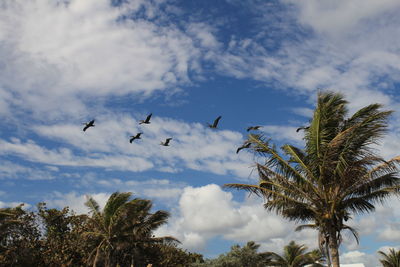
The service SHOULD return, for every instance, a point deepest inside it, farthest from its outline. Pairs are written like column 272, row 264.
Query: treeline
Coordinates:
column 119, row 235
column 122, row 234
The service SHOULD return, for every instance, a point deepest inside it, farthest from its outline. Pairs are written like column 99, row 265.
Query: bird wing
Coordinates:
column 239, row 148
column 148, row 117
column 216, row 121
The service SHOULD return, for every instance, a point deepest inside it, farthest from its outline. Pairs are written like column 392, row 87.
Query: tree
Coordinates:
column 391, row 259
column 123, row 229
column 295, row 255
column 62, row 241
column 246, row 256
column 337, row 174
column 19, row 238
column 169, row 255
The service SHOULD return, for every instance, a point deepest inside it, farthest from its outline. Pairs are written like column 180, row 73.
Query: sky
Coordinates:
column 253, row 62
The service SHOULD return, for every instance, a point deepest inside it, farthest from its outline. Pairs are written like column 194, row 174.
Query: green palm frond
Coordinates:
column 124, row 225
column 114, row 205
column 391, row 259
column 282, row 166
column 92, row 205
column 353, row 232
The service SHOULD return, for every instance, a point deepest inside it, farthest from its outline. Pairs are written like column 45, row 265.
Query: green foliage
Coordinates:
column 123, row 231
column 62, row 243
column 19, row 238
column 391, row 259
column 295, row 255
column 246, row 256
column 121, row 234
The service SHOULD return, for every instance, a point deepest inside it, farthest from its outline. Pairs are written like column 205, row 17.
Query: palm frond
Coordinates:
column 92, row 205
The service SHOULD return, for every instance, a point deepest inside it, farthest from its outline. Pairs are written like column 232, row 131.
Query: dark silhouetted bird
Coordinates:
column 147, row 120
column 166, row 143
column 302, row 128
column 245, row 145
column 215, row 124
column 88, row 125
column 133, row 137
column 253, row 128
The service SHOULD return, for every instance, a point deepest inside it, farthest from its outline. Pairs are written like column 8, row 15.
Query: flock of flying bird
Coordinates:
column 214, row 125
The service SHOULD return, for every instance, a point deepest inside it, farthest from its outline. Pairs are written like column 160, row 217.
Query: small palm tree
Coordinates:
column 295, row 255
column 391, row 259
column 123, row 226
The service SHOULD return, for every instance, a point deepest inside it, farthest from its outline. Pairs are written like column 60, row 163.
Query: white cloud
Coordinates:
column 207, row 212
column 54, row 54
column 341, row 17
column 65, row 157
column 391, row 232
column 360, row 61
column 284, row 133
column 13, row 205
column 356, row 256
column 10, row 170
column 306, row 112
column 160, row 189
column 75, row 201
column 156, row 189
column 208, row 209
column 193, row 146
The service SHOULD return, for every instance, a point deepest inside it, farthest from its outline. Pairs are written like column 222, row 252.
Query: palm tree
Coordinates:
column 295, row 255
column 392, row 259
column 123, row 225
column 337, row 174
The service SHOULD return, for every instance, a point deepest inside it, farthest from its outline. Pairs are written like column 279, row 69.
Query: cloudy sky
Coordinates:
column 65, row 62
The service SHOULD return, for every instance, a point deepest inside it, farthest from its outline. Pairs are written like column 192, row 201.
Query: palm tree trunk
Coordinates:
column 334, row 249
column 327, row 254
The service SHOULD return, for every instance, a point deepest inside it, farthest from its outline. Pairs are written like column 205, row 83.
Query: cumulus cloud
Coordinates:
column 207, row 212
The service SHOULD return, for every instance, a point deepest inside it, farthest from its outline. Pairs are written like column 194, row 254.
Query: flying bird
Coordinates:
column 133, row 137
column 255, row 128
column 88, row 125
column 166, row 143
column 147, row 120
column 215, row 124
column 245, row 145
column 302, row 128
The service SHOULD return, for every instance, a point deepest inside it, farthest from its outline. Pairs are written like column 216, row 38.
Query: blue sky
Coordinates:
column 252, row 62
